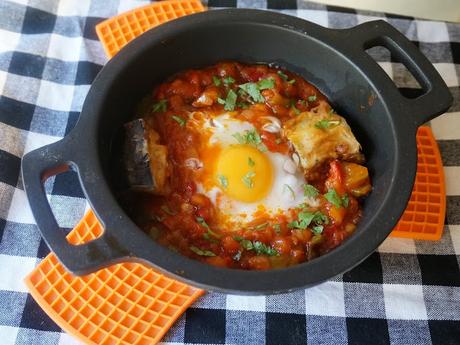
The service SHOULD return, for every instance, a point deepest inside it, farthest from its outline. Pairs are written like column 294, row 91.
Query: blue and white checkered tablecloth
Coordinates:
column 408, row 292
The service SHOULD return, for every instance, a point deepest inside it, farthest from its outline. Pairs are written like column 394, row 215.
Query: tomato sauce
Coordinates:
column 183, row 219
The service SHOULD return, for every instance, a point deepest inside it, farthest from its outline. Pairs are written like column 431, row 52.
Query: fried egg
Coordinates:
column 243, row 179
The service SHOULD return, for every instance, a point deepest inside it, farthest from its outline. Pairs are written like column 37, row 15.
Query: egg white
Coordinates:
column 285, row 193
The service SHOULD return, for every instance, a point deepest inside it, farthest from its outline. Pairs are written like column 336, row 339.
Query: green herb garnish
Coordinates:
column 230, row 101
column 216, row 80
column 261, row 248
column 333, row 197
column 201, row 252
column 228, row 80
column 242, row 105
column 202, row 222
column 253, row 89
column 277, row 228
column 317, row 229
column 305, row 218
column 324, row 124
column 250, row 138
column 312, row 98
column 247, row 179
column 223, row 180
column 246, row 244
column 288, row 187
column 251, row 163
column 179, row 120
column 266, row 84
column 310, row 191
column 283, row 75
column 160, row 106
column 292, row 81
column 238, row 238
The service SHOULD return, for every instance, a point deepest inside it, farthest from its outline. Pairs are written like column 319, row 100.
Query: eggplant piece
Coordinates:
column 145, row 160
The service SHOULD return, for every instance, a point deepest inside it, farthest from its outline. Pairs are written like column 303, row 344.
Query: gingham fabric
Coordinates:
column 408, row 292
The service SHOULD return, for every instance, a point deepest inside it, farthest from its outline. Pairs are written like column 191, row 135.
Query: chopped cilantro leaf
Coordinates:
column 250, row 138
column 221, row 101
column 246, row 244
column 310, row 191
column 242, row 105
column 317, row 229
column 228, row 80
column 305, row 218
column 179, row 120
column 324, row 124
column 292, row 81
column 251, row 163
column 216, row 80
column 253, row 91
column 240, row 138
column 312, row 98
column 223, row 180
column 201, row 221
column 230, row 101
column 345, row 200
column 247, row 179
column 333, row 198
column 160, row 107
column 261, row 248
column 288, row 187
column 266, row 84
column 201, row 252
column 283, row 75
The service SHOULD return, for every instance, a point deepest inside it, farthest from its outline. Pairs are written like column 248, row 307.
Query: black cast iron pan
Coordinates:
column 334, row 60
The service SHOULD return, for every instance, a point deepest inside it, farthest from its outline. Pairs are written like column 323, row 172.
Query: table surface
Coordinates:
column 407, row 292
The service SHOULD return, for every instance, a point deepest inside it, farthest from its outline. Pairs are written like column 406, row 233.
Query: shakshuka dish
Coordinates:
column 243, row 166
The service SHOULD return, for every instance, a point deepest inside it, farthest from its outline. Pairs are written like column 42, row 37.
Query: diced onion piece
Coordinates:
column 193, row 163
column 289, row 166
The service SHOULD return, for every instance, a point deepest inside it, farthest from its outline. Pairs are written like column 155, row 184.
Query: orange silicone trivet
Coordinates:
column 126, row 303
column 423, row 218
column 116, row 32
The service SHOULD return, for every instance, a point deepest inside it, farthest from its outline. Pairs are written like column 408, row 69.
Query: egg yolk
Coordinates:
column 244, row 173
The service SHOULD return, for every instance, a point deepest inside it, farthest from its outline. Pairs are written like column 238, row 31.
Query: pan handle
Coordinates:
column 37, row 166
column 436, row 97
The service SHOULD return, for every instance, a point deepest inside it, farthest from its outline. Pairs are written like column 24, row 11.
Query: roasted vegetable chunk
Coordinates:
column 320, row 136
column 145, row 159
